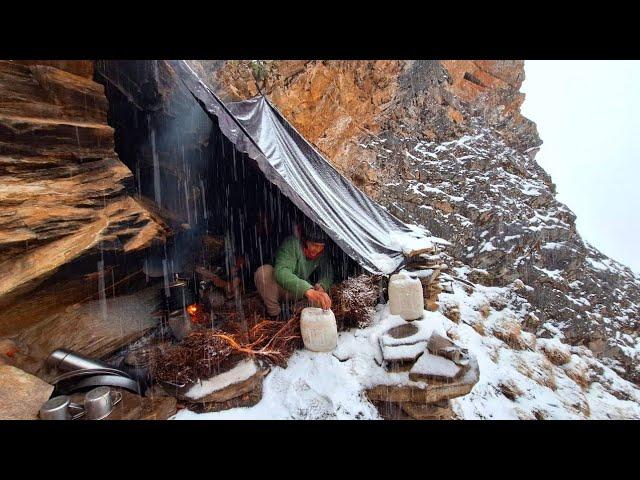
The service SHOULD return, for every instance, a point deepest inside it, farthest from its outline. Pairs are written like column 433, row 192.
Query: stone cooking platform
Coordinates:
column 438, row 370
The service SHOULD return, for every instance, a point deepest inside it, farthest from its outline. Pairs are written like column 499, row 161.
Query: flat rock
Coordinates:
column 408, row 333
column 433, row 367
column 135, row 407
column 82, row 328
column 402, row 353
column 428, row 392
column 242, row 378
column 248, row 399
column 391, row 410
column 21, row 394
column 419, row 411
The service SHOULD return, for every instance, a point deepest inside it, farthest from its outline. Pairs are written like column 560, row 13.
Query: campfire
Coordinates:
column 196, row 313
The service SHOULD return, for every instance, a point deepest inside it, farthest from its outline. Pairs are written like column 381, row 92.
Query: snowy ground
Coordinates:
column 519, row 383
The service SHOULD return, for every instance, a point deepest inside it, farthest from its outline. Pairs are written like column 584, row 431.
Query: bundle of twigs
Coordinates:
column 354, row 301
column 198, row 356
column 202, row 353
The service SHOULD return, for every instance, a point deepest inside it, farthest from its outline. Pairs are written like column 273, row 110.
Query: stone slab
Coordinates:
column 21, row 394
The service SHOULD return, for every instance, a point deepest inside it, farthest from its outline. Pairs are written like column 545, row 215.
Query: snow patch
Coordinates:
column 241, row 372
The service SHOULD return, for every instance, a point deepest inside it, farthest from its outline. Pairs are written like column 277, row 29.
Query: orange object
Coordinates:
column 8, row 348
column 196, row 312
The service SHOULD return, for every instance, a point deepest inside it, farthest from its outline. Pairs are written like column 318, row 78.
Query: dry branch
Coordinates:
column 354, row 301
column 204, row 353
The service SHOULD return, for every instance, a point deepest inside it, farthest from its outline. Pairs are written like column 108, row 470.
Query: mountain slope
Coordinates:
column 443, row 144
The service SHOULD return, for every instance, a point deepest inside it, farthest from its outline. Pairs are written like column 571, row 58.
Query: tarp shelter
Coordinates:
column 367, row 232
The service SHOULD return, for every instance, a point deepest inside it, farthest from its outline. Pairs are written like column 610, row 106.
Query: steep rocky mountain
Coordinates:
column 443, row 144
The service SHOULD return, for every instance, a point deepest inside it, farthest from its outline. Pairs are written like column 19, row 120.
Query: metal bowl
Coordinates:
column 99, row 403
column 57, row 408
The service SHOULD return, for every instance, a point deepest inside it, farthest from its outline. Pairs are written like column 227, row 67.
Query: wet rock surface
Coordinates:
column 65, row 194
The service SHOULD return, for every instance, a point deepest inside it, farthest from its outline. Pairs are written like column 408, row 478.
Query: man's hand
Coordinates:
column 319, row 288
column 318, row 298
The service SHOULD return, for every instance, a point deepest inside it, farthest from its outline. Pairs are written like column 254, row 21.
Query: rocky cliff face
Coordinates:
column 63, row 190
column 443, row 144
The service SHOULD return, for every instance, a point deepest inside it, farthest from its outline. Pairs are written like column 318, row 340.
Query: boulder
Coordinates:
column 558, row 353
column 452, row 312
column 93, row 329
column 21, row 394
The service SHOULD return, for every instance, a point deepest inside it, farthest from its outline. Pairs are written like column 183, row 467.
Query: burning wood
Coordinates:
column 354, row 301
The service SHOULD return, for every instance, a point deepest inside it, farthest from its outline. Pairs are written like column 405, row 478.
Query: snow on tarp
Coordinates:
column 362, row 228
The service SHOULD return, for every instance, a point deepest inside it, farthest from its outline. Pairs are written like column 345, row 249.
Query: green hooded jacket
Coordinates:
column 293, row 269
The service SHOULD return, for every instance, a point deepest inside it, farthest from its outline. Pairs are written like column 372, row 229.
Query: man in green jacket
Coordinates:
column 288, row 279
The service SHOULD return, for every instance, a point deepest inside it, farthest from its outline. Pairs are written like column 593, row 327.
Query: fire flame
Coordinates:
column 195, row 312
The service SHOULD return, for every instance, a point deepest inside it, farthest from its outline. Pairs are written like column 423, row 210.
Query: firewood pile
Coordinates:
column 354, row 301
column 205, row 352
column 199, row 355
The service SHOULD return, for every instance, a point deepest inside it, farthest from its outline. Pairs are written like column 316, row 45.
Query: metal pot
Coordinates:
column 180, row 324
column 99, row 402
column 180, row 295
column 57, row 408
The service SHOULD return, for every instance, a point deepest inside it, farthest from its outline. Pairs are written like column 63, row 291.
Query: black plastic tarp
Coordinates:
column 362, row 228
